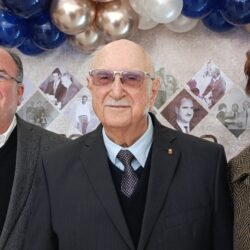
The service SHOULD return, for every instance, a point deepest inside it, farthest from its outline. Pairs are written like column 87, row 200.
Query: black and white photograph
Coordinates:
column 234, row 112
column 168, row 87
column 184, row 112
column 60, row 87
column 80, row 112
column 37, row 110
column 210, row 84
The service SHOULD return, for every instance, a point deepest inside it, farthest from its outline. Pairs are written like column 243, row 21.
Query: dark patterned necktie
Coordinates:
column 129, row 177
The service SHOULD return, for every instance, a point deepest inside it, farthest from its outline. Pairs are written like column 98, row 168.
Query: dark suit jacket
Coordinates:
column 188, row 205
column 31, row 141
column 59, row 93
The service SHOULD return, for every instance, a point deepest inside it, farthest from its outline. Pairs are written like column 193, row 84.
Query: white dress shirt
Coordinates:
column 5, row 136
column 139, row 149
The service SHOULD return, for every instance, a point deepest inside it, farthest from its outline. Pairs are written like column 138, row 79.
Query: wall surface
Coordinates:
column 182, row 56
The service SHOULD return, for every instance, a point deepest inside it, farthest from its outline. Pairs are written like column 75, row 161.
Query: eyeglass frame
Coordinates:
column 8, row 77
column 119, row 72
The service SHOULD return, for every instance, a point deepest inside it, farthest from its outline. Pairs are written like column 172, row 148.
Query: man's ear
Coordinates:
column 20, row 91
column 88, row 83
column 154, row 91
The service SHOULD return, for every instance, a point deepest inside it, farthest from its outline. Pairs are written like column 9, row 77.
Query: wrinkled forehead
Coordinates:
column 121, row 55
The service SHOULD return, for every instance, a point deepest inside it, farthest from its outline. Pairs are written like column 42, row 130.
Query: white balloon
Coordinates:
column 182, row 24
column 138, row 7
column 146, row 23
column 163, row 11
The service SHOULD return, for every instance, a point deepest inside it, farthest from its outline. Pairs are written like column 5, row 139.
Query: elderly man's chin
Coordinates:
column 117, row 117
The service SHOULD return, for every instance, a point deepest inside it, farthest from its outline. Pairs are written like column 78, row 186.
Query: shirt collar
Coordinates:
column 5, row 136
column 139, row 149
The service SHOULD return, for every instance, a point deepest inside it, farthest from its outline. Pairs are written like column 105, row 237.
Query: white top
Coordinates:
column 82, row 109
column 5, row 136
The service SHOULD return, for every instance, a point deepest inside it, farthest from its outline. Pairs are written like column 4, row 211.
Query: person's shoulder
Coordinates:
column 242, row 158
column 45, row 136
column 191, row 142
column 73, row 147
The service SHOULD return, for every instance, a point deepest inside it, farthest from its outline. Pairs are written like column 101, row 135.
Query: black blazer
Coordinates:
column 188, row 204
column 31, row 142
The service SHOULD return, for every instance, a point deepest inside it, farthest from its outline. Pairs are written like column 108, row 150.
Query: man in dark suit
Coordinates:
column 184, row 111
column 20, row 146
column 55, row 87
column 132, row 183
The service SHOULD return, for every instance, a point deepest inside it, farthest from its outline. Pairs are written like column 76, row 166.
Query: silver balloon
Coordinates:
column 138, row 7
column 116, row 20
column 163, row 11
column 146, row 23
column 247, row 27
column 73, row 16
column 182, row 24
column 87, row 41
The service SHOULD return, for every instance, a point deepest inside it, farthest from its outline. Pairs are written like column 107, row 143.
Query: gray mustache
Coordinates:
column 113, row 102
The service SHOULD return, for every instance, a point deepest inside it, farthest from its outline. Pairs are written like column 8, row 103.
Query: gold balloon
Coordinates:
column 73, row 16
column 87, row 41
column 116, row 20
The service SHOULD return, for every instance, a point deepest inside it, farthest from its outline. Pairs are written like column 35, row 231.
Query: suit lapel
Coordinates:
column 25, row 165
column 95, row 162
column 163, row 164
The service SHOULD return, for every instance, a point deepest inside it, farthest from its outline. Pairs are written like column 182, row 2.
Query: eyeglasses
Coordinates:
column 6, row 77
column 131, row 78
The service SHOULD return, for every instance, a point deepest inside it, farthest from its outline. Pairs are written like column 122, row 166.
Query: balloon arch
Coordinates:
column 35, row 26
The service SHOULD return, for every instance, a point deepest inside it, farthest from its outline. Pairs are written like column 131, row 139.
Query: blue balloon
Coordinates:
column 26, row 8
column 197, row 8
column 12, row 29
column 235, row 11
column 215, row 22
column 44, row 33
column 29, row 48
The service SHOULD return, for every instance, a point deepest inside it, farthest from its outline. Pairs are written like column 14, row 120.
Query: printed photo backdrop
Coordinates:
column 210, row 105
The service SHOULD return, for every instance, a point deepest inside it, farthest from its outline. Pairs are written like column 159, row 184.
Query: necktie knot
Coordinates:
column 125, row 156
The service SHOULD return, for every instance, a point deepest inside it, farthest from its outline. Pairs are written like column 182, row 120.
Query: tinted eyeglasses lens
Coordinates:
column 132, row 78
column 103, row 77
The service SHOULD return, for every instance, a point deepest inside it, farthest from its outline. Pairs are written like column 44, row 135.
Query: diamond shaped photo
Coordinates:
column 184, row 112
column 80, row 112
column 167, row 88
column 234, row 111
column 37, row 110
column 60, row 88
column 209, row 84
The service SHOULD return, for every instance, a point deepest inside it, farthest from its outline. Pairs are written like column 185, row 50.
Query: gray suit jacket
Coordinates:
column 188, row 205
column 31, row 142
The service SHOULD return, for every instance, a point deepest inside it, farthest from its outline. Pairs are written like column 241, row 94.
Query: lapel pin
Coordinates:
column 170, row 151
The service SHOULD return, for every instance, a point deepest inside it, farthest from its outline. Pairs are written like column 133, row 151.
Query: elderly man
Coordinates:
column 20, row 146
column 132, row 183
